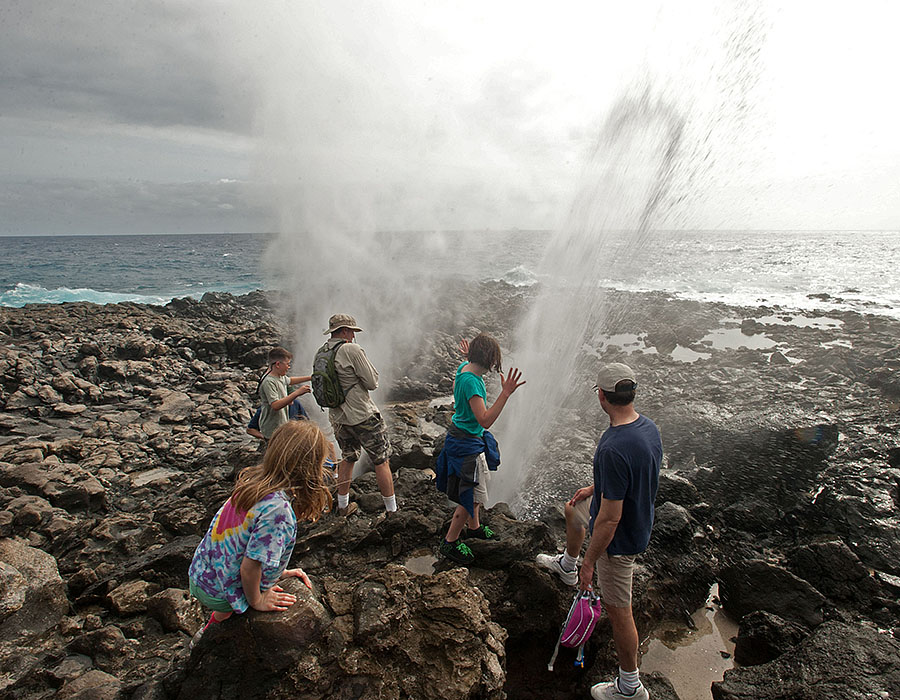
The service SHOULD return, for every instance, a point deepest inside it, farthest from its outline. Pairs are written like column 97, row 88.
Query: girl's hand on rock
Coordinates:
column 511, row 382
column 274, row 599
column 298, row 573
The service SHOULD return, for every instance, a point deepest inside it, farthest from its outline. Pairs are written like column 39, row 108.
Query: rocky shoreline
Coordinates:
column 122, row 427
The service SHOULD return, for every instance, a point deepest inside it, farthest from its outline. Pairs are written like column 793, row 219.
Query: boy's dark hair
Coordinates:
column 278, row 354
column 485, row 351
column 623, row 395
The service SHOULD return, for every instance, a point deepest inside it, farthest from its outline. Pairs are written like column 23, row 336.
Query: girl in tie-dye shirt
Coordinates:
column 250, row 540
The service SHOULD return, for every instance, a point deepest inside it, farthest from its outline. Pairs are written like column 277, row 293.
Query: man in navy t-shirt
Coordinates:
column 618, row 510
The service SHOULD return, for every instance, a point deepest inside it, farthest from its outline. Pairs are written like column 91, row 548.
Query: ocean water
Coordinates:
column 821, row 270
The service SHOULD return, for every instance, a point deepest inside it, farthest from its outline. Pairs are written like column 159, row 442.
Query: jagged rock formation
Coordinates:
column 122, row 427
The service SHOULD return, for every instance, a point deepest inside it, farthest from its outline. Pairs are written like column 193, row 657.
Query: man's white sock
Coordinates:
column 629, row 681
column 343, row 500
column 390, row 503
column 569, row 563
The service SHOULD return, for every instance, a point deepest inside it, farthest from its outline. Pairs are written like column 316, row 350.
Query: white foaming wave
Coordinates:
column 786, row 300
column 519, row 276
column 23, row 293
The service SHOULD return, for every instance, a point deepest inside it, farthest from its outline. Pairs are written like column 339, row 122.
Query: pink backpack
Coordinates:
column 579, row 625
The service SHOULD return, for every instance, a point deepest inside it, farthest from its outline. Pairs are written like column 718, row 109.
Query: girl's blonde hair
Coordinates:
column 294, row 462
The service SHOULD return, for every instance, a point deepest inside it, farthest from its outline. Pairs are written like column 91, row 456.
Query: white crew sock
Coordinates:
column 568, row 563
column 343, row 500
column 629, row 681
column 390, row 503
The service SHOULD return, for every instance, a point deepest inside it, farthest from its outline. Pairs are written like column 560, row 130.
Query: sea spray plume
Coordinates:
column 340, row 129
column 658, row 160
column 623, row 187
column 329, row 259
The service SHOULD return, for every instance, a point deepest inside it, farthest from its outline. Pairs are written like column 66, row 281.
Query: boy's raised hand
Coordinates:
column 510, row 382
column 464, row 348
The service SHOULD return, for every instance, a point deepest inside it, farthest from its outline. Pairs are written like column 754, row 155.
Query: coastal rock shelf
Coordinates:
column 122, row 429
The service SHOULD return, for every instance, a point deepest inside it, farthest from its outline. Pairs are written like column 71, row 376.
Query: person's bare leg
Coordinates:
column 625, row 636
column 460, row 515
column 220, row 616
column 345, row 476
column 384, row 478
column 575, row 533
column 472, row 521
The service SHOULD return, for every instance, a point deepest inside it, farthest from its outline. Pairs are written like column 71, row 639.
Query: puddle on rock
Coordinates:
column 421, row 562
column 820, row 322
column 683, row 354
column 693, row 659
column 734, row 338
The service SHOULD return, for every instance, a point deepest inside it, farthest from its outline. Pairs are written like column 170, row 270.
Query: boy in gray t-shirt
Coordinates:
column 273, row 391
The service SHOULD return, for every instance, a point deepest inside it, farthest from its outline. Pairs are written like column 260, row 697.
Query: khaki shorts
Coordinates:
column 480, row 494
column 370, row 435
column 614, row 572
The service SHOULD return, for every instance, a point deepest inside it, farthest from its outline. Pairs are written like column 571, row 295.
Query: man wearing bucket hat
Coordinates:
column 358, row 425
column 618, row 510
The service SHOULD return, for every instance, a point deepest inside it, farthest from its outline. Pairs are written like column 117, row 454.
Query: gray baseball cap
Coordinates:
column 613, row 373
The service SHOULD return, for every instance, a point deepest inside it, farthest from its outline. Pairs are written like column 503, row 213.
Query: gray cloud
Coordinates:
column 155, row 64
column 433, row 115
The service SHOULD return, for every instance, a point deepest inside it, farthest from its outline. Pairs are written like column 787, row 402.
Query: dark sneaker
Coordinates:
column 482, row 532
column 458, row 552
column 349, row 510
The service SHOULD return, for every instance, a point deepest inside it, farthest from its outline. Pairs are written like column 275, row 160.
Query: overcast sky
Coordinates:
column 207, row 115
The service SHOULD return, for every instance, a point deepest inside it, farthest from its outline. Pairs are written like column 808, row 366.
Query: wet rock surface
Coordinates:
column 122, row 428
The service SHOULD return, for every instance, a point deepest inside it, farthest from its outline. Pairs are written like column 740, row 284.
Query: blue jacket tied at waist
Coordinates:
column 456, row 464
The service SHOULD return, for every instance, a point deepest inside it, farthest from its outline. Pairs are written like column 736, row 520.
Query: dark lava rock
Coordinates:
column 672, row 524
column 838, row 661
column 123, row 428
column 758, row 585
column 763, row 637
column 406, row 632
column 836, row 570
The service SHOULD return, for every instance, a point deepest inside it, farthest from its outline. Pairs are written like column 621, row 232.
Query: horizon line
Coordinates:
column 447, row 231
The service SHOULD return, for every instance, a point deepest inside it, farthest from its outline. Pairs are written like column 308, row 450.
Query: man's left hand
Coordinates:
column 586, row 576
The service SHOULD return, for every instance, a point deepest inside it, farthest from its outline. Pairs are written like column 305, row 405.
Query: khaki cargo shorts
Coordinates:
column 614, row 573
column 370, row 435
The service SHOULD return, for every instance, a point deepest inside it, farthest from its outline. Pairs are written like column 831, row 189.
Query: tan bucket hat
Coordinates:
column 339, row 321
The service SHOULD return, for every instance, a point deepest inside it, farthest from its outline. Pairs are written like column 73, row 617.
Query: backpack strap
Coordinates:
column 264, row 375
column 555, row 652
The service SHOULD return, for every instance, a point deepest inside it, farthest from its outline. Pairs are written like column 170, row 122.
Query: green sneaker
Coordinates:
column 458, row 552
column 482, row 532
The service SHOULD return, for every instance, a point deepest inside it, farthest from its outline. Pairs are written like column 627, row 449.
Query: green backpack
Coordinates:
column 326, row 387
